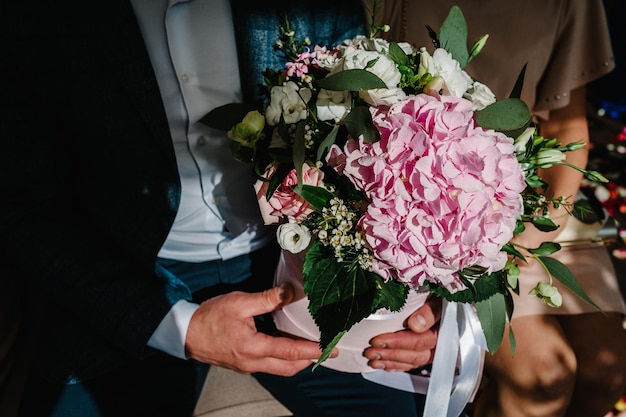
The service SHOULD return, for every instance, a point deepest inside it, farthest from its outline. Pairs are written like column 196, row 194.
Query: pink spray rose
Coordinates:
column 285, row 204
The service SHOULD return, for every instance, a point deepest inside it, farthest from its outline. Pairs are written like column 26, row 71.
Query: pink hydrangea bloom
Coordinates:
column 444, row 193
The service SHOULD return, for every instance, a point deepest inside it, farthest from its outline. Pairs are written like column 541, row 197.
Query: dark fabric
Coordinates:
column 158, row 386
column 328, row 23
column 88, row 181
column 161, row 386
column 16, row 343
column 328, row 393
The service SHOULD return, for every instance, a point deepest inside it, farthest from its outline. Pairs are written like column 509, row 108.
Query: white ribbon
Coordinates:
column 456, row 369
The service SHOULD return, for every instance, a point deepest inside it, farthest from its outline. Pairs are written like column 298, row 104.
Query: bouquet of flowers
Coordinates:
column 396, row 171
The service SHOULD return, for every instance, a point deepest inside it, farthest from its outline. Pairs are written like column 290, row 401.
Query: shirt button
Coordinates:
column 201, row 140
column 184, row 77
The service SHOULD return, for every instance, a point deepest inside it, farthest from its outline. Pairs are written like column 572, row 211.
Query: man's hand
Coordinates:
column 222, row 332
column 411, row 348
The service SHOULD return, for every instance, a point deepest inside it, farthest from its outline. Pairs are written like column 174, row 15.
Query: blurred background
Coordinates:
column 607, row 124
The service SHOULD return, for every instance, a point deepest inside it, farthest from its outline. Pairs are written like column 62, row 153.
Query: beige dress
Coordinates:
column 565, row 45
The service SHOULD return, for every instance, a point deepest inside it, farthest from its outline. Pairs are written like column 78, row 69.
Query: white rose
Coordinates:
column 480, row 95
column 457, row 81
column 293, row 237
column 333, row 105
column 288, row 101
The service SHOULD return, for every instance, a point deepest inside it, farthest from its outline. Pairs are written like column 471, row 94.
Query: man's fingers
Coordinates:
column 267, row 301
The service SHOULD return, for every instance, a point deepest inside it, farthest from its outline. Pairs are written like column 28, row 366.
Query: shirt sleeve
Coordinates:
column 169, row 337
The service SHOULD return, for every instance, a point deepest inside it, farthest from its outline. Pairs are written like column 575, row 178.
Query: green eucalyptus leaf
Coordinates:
column 226, row 116
column 328, row 141
column 453, row 35
column 492, row 316
column 546, row 249
column 359, row 122
column 299, row 151
column 510, row 116
column 561, row 272
column 397, row 55
column 351, row 80
column 318, row 197
column 512, row 340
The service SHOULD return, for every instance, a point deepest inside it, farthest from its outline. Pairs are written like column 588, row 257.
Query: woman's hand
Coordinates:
column 408, row 349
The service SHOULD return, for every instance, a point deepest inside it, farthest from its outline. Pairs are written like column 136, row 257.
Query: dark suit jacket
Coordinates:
column 88, row 180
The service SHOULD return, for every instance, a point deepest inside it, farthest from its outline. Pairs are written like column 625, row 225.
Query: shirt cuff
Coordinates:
column 170, row 336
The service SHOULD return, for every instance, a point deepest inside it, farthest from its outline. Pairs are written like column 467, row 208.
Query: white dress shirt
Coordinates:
column 191, row 44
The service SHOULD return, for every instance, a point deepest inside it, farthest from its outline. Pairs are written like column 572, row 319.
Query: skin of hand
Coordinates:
column 408, row 349
column 568, row 125
column 222, row 332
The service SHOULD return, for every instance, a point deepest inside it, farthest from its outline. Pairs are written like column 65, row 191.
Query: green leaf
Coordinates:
column 512, row 340
column 519, row 83
column 226, row 116
column 481, row 289
column 339, row 295
column 510, row 116
column 546, row 249
column 351, row 80
column 453, row 35
column 511, row 250
column 397, row 54
column 544, row 224
column 390, row 294
column 359, row 122
column 561, row 272
column 299, row 150
column 328, row 141
column 318, row 197
column 492, row 316
column 342, row 294
column 328, row 349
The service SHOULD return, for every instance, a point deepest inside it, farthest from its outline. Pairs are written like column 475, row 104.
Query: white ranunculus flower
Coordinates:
column 293, row 237
column 288, row 101
column 457, row 81
column 385, row 69
column 480, row 95
column 333, row 105
column 383, row 96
